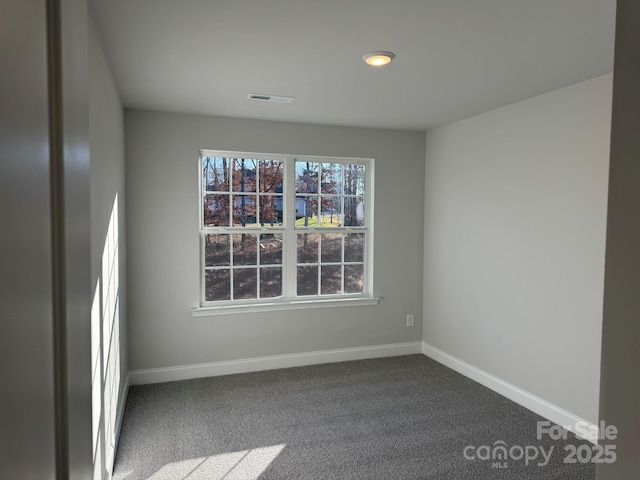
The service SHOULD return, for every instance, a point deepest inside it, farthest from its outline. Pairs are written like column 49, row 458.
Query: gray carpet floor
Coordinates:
column 391, row 418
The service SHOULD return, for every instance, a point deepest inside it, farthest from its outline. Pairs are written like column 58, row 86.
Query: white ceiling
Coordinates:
column 455, row 58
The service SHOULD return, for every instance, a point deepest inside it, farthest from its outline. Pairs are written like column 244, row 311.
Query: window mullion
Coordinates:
column 231, row 261
column 319, row 273
column 368, row 230
column 258, row 238
column 343, row 242
column 203, row 272
column 290, row 240
column 257, row 200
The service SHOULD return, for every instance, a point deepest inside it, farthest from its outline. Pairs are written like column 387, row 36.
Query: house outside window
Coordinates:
column 277, row 229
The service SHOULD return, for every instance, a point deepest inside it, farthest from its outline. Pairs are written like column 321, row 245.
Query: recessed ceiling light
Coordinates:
column 378, row 59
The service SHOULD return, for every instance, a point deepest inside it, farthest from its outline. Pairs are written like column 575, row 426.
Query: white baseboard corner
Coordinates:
column 186, row 372
column 529, row 401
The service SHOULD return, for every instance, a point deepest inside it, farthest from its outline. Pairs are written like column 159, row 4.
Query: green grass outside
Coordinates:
column 325, row 221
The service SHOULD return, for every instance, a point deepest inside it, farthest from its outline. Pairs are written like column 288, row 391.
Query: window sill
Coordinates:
column 284, row 305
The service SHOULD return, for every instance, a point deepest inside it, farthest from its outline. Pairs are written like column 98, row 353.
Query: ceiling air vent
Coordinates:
column 270, row 98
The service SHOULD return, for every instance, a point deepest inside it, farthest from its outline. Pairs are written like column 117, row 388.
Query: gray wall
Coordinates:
column 162, row 238
column 106, row 128
column 620, row 377
column 514, row 242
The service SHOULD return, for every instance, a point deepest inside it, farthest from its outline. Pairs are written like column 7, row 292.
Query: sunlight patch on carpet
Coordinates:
column 242, row 465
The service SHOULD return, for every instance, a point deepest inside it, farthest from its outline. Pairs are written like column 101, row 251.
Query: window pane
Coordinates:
column 243, row 175
column 270, row 249
column 217, row 252
column 307, row 211
column 245, row 283
column 216, row 210
column 271, row 175
column 307, row 177
column 330, row 279
column 354, row 211
column 353, row 278
column 331, row 247
column 215, row 174
column 354, row 247
column 354, row 179
column 308, row 280
column 271, row 210
column 307, row 248
column 245, row 247
column 244, row 210
column 217, row 285
column 331, row 212
column 331, row 174
column 270, row 282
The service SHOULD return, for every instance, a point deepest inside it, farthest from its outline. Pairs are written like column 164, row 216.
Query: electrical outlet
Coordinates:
column 410, row 320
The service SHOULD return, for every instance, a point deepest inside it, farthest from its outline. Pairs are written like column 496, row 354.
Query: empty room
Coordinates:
column 298, row 239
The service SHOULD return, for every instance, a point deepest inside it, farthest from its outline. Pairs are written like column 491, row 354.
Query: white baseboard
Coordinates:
column 185, row 372
column 536, row 404
column 529, row 401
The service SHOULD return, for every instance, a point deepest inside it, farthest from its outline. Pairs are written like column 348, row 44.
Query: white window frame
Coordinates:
column 289, row 231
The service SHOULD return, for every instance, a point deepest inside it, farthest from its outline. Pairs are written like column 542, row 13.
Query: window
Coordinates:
column 275, row 229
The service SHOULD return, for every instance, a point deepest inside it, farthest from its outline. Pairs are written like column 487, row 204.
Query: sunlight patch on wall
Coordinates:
column 111, row 321
column 96, row 385
column 242, row 465
column 105, row 351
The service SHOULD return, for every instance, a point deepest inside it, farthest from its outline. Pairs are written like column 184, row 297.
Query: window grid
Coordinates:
column 258, row 265
column 342, row 263
column 255, row 198
column 289, row 229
